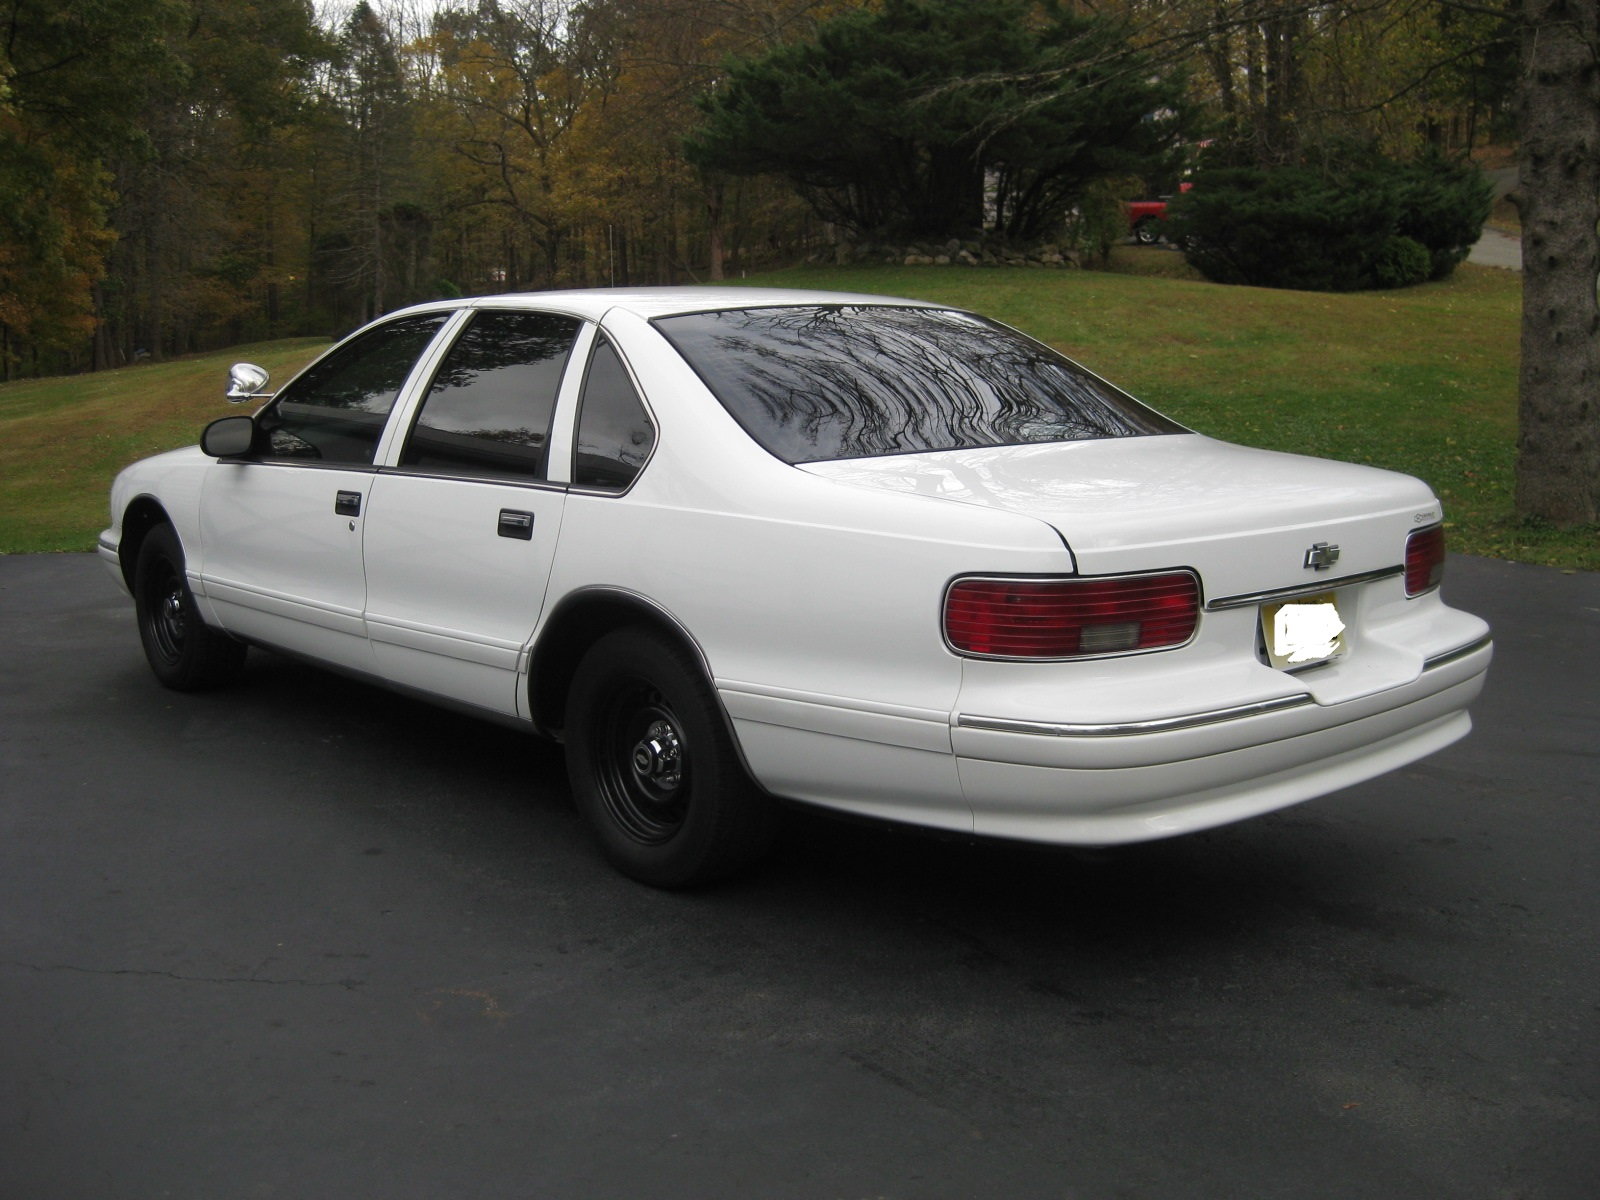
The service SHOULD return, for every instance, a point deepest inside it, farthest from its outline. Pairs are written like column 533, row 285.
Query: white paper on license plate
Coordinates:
column 1302, row 632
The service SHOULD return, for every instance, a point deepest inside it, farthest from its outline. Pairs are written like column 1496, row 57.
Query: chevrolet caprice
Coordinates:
column 734, row 546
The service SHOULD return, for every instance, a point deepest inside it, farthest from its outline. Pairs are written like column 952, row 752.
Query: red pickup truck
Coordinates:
column 1145, row 217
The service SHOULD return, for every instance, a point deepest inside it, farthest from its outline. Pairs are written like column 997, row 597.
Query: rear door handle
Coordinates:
column 514, row 523
column 347, row 504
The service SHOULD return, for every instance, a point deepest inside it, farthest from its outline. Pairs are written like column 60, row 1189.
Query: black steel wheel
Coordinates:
column 184, row 652
column 653, row 766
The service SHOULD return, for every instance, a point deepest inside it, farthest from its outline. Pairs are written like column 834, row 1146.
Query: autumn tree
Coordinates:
column 664, row 218
column 372, row 238
column 199, row 228
column 510, row 87
column 72, row 82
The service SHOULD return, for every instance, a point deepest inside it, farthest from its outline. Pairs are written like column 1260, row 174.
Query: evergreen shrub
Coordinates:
column 1384, row 225
column 1401, row 262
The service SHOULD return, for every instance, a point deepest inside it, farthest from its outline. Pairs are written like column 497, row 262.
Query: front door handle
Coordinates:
column 514, row 523
column 347, row 504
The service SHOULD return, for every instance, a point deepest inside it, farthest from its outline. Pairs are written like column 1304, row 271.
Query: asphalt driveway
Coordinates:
column 306, row 939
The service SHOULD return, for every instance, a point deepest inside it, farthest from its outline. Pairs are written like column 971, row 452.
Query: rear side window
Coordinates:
column 615, row 435
column 335, row 411
column 857, row 381
column 488, row 410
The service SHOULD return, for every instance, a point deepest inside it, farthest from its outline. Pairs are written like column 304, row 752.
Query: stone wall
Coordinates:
column 954, row 252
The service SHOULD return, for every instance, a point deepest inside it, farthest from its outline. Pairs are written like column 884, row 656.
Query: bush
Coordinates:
column 1443, row 206
column 1387, row 225
column 1287, row 227
column 1401, row 262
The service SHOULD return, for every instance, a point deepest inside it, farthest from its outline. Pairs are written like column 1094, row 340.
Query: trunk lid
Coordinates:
column 1243, row 518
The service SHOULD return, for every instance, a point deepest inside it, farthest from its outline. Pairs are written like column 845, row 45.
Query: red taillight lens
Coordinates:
column 1070, row 618
column 1424, row 560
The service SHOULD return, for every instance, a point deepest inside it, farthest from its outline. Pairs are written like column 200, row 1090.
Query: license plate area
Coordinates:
column 1304, row 632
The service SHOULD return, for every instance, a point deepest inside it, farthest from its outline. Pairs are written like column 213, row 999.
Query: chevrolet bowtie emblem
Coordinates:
column 1321, row 556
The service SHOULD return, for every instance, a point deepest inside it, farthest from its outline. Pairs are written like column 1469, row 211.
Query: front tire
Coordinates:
column 185, row 653
column 1147, row 232
column 653, row 767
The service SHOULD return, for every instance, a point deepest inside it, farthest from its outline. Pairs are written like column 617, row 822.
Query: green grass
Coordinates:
column 1421, row 380
column 62, row 440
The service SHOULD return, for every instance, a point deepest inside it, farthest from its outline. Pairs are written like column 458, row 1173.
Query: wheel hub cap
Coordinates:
column 657, row 757
column 172, row 612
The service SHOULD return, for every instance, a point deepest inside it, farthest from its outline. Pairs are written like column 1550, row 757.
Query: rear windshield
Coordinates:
column 856, row 381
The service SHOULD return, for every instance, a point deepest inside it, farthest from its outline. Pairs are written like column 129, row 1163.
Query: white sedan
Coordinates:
column 736, row 545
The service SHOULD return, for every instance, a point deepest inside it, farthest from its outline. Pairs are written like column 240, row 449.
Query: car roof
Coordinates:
column 648, row 302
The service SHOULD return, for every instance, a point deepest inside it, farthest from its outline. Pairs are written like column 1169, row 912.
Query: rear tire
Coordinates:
column 185, row 653
column 1147, row 232
column 653, row 767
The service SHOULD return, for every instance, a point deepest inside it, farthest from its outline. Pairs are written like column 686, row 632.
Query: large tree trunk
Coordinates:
column 1558, row 444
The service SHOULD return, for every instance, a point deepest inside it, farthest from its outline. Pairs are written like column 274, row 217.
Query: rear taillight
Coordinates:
column 1424, row 560
column 1070, row 618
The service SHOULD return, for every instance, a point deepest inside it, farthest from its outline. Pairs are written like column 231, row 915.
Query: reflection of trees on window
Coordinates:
column 336, row 410
column 615, row 435
column 367, row 374
column 488, row 410
column 852, row 382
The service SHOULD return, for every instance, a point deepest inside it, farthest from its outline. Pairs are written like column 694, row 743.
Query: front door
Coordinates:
column 281, row 534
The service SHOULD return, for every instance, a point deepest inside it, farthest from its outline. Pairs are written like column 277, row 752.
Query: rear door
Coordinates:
column 281, row 553
column 462, row 528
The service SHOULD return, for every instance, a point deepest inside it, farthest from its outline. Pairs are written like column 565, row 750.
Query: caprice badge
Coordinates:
column 1321, row 556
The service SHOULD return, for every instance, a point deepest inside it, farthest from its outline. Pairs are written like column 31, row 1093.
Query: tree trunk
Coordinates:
column 714, row 195
column 1558, row 444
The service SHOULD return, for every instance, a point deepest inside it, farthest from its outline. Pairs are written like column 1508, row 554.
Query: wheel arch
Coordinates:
column 578, row 622
column 143, row 514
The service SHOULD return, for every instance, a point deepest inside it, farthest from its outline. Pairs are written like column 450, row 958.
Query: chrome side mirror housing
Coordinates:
column 245, row 382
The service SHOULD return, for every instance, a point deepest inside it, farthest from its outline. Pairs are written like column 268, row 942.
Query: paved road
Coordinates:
column 1496, row 249
column 303, row 939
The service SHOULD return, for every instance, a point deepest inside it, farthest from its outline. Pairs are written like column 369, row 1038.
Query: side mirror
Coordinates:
column 245, row 381
column 229, row 437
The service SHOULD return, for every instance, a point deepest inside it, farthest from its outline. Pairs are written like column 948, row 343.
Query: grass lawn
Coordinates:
column 1421, row 380
column 63, row 439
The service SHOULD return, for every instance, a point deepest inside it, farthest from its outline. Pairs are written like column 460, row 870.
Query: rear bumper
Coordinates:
column 1101, row 784
column 1072, row 784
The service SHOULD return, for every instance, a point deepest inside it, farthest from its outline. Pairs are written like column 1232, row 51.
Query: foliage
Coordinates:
column 1287, row 227
column 905, row 120
column 1386, row 225
column 1400, row 262
column 1443, row 206
column 1286, row 78
column 71, row 79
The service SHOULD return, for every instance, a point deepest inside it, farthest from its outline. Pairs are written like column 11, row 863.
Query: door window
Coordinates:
column 488, row 411
column 335, row 411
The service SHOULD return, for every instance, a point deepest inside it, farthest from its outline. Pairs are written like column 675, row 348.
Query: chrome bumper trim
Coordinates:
column 1131, row 728
column 1450, row 656
column 1245, row 600
column 1189, row 720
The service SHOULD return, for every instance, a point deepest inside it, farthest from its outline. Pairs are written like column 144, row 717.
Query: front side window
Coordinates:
column 488, row 411
column 335, row 411
column 615, row 435
column 857, row 381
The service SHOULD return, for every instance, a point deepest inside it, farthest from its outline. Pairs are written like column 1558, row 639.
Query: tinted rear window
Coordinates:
column 856, row 381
